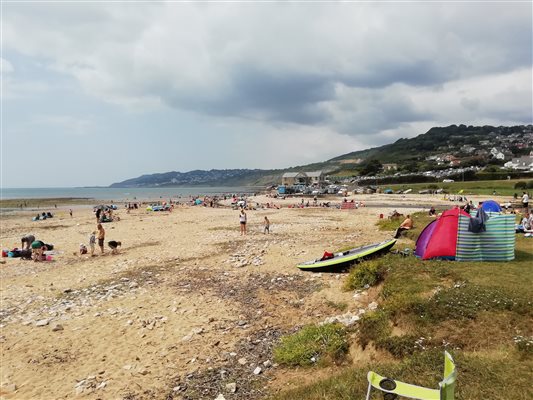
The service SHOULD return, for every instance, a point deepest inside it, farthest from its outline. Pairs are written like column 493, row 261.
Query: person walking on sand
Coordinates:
column 242, row 220
column 70, row 212
column 101, row 237
column 406, row 225
column 267, row 226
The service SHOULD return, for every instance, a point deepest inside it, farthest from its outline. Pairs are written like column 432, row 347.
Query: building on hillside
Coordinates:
column 524, row 163
column 468, row 149
column 293, row 178
column 390, row 167
column 315, row 178
column 497, row 154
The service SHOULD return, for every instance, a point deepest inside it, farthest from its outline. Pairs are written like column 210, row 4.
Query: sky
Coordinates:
column 99, row 92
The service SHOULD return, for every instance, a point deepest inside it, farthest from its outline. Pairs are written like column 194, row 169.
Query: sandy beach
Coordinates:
column 187, row 307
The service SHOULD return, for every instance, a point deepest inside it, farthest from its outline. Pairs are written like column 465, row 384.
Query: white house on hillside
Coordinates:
column 524, row 163
column 497, row 154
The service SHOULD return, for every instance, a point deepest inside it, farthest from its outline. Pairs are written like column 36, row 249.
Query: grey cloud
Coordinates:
column 277, row 63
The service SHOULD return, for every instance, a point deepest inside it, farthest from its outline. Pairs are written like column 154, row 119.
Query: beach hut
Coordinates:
column 448, row 237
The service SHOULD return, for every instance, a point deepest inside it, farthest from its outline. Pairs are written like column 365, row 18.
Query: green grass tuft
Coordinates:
column 337, row 305
column 370, row 272
column 373, row 326
column 324, row 343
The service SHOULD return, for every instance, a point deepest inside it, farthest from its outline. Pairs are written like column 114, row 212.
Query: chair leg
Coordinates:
column 368, row 391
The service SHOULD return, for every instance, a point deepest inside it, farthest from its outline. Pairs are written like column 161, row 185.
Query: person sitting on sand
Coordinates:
column 113, row 245
column 432, row 212
column 101, row 237
column 38, row 248
column 405, row 225
column 27, row 241
column 83, row 249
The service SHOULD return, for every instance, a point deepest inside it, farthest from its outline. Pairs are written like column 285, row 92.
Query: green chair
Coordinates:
column 392, row 389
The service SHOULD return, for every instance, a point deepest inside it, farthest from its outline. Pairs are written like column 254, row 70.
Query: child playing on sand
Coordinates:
column 101, row 237
column 267, row 226
column 113, row 245
column 83, row 249
column 27, row 241
column 92, row 242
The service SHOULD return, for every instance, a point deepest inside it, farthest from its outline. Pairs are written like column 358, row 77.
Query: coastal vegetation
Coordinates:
column 501, row 187
column 481, row 312
column 437, row 149
column 323, row 344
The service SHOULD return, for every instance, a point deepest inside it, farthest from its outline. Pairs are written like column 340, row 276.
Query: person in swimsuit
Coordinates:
column 101, row 237
column 406, row 225
column 242, row 220
column 267, row 226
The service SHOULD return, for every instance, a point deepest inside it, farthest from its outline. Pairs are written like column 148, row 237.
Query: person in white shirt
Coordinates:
column 525, row 201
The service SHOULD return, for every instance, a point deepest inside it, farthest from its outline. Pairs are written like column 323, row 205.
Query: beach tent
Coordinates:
column 448, row 237
column 439, row 238
column 491, row 206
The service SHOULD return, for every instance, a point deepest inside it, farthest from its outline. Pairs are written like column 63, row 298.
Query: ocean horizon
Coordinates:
column 122, row 194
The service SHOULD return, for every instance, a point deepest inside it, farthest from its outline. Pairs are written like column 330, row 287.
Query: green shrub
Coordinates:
column 466, row 301
column 369, row 272
column 325, row 343
column 529, row 185
column 373, row 327
column 520, row 185
column 400, row 346
column 524, row 345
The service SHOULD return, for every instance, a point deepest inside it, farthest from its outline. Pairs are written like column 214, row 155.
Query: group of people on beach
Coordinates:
column 243, row 219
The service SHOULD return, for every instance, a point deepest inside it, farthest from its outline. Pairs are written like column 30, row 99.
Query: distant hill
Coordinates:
column 466, row 142
column 445, row 140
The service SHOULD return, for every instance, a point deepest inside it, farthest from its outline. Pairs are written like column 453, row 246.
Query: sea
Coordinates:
column 122, row 194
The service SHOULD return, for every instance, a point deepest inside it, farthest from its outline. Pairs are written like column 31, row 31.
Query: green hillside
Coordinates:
column 469, row 145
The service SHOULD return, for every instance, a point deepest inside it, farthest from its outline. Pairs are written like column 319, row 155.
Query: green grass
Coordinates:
column 420, row 220
column 502, row 187
column 481, row 312
column 494, row 376
column 313, row 343
column 369, row 272
column 337, row 305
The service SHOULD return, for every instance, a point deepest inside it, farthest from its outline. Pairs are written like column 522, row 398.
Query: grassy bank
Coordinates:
column 481, row 312
column 502, row 187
